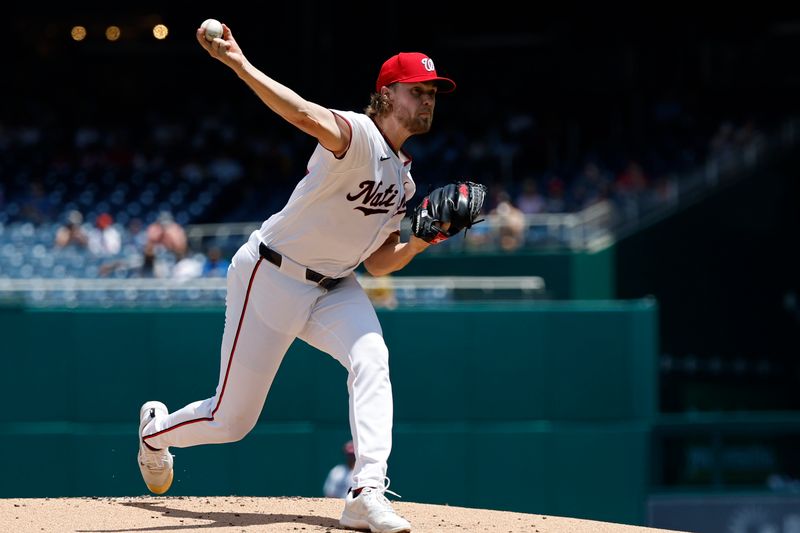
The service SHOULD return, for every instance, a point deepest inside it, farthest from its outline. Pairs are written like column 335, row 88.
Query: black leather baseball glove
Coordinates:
column 458, row 204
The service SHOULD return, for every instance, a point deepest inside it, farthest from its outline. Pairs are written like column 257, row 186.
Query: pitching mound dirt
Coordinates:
column 243, row 514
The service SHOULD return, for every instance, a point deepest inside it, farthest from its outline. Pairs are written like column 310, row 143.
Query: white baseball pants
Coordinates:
column 266, row 309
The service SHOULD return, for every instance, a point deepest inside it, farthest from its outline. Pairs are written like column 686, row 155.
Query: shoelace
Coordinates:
column 381, row 497
column 386, row 483
column 154, row 460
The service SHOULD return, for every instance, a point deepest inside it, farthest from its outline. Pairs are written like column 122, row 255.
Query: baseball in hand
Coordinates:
column 213, row 29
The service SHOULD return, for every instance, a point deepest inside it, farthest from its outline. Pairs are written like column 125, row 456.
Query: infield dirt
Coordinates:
column 226, row 514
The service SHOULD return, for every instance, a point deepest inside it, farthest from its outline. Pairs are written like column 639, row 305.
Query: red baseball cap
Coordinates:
column 411, row 67
column 104, row 220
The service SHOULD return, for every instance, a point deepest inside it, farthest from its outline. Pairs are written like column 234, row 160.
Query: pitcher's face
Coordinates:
column 413, row 105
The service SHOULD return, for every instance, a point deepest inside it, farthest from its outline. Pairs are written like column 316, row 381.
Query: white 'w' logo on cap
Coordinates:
column 427, row 62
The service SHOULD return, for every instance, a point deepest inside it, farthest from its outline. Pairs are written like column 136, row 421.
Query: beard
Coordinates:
column 417, row 124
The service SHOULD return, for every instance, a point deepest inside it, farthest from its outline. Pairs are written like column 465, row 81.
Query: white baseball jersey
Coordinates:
column 344, row 209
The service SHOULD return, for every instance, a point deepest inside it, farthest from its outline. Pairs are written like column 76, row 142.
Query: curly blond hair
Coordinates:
column 379, row 104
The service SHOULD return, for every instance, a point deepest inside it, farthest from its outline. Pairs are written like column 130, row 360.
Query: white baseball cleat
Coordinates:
column 371, row 510
column 156, row 466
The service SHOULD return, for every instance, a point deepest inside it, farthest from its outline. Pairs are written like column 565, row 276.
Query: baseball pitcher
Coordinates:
column 294, row 277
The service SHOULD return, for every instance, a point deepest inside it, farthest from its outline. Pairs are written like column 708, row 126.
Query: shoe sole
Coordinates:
column 163, row 488
column 346, row 521
column 155, row 489
column 354, row 523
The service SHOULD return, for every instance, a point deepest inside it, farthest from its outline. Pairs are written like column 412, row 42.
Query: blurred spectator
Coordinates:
column 783, row 483
column 529, row 200
column 136, row 233
column 167, row 233
column 215, row 266
column 105, row 239
column 556, row 195
column 36, row 206
column 71, row 233
column 630, row 187
column 496, row 191
column 664, row 190
column 510, row 223
column 148, row 267
column 188, row 267
column 340, row 477
column 151, row 266
column 382, row 293
column 632, row 180
column 477, row 237
column 594, row 185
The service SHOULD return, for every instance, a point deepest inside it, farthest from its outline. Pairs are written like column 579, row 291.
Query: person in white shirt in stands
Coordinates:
column 105, row 240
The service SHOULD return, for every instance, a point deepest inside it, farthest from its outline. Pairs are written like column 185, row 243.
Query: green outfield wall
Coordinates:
column 568, row 274
column 542, row 407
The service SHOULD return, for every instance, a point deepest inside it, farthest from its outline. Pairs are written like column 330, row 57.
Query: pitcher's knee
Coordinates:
column 233, row 429
column 369, row 354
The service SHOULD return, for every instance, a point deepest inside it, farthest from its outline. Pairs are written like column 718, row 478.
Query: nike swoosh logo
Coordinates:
column 386, row 158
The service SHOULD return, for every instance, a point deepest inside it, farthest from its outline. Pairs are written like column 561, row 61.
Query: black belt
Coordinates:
column 311, row 275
